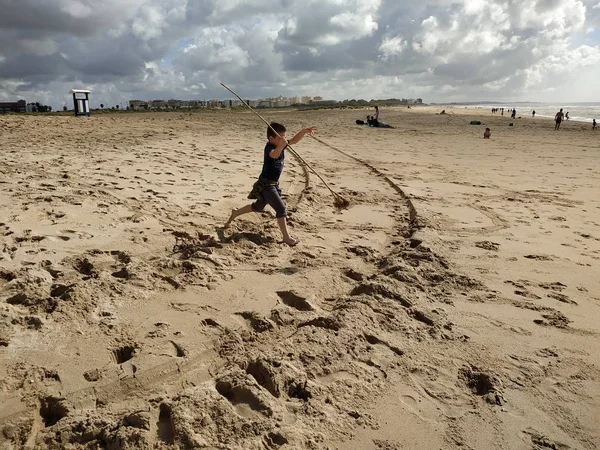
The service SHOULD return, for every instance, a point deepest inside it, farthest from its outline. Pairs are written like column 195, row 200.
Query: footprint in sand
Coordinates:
column 553, row 319
column 555, row 286
column 539, row 257
column 562, row 298
column 539, row 440
column 525, row 293
column 488, row 245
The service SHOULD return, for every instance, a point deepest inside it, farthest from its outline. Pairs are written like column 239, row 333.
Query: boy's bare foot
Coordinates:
column 291, row 241
column 231, row 217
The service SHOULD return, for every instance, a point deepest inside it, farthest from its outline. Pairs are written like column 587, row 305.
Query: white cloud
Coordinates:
column 391, row 47
column 149, row 24
column 360, row 23
column 561, row 64
column 337, row 21
column 216, row 48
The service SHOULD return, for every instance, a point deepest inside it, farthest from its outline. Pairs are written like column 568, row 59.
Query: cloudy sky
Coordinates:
column 440, row 50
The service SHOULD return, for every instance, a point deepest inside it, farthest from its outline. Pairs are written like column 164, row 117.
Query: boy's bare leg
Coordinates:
column 282, row 222
column 238, row 212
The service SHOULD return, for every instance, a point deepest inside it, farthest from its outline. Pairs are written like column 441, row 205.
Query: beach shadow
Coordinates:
column 187, row 245
column 257, row 238
column 292, row 270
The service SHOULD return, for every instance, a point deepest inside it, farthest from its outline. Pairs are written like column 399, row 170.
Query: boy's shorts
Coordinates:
column 270, row 195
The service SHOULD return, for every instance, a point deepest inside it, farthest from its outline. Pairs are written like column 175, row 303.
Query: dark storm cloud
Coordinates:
column 49, row 17
column 339, row 57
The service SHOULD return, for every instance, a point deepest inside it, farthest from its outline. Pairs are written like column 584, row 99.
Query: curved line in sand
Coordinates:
column 306, row 179
column 414, row 224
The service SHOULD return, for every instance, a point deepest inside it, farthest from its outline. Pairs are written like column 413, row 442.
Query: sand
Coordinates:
column 454, row 304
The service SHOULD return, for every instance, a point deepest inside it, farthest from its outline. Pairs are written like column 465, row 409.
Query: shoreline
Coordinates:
column 551, row 117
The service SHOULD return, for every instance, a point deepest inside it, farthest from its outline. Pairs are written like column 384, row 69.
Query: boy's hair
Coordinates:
column 277, row 127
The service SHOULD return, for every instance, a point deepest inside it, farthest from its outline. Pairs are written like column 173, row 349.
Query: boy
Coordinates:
column 487, row 133
column 266, row 189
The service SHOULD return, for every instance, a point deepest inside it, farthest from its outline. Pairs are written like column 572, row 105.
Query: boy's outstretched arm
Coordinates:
column 301, row 134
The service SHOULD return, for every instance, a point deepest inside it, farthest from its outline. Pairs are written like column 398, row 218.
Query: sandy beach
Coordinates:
column 454, row 304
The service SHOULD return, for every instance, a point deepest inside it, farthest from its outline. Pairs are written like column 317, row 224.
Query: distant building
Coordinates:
column 20, row 106
column 274, row 102
column 158, row 104
column 192, row 104
column 281, row 103
column 136, row 105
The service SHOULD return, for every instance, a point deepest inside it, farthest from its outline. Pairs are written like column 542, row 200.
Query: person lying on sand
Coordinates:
column 266, row 188
column 487, row 133
column 373, row 122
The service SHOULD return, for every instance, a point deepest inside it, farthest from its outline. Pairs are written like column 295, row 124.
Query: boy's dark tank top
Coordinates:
column 272, row 167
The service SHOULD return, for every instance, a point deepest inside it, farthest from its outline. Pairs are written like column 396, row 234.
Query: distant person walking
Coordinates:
column 594, row 124
column 567, row 116
column 514, row 113
column 533, row 114
column 558, row 118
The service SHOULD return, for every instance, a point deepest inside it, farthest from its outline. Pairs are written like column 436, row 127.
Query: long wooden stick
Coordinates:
column 337, row 196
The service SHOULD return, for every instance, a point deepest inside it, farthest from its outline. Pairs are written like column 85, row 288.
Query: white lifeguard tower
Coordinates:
column 81, row 101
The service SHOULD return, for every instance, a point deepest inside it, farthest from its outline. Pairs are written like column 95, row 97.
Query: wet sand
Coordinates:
column 455, row 303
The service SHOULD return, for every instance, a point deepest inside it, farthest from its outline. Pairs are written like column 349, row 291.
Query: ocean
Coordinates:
column 583, row 112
